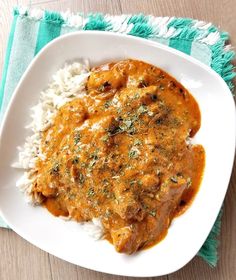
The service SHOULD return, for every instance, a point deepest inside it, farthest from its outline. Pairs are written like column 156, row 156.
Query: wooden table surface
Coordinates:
column 21, row 260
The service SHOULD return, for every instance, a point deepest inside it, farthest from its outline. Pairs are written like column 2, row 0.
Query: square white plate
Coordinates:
column 67, row 240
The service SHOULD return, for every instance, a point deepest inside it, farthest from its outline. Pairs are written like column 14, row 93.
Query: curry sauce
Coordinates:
column 121, row 153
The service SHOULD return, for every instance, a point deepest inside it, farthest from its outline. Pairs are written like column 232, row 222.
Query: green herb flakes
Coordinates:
column 136, row 96
column 107, row 104
column 132, row 182
column 91, row 192
column 94, row 155
column 137, row 142
column 105, row 138
column 128, row 123
column 133, row 154
column 142, row 109
column 152, row 213
column 77, row 138
column 55, row 169
column 92, row 163
column 105, row 192
column 119, row 110
column 140, row 183
column 75, row 160
column 81, row 178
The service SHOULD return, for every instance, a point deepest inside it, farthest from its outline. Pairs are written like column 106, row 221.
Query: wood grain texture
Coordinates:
column 21, row 260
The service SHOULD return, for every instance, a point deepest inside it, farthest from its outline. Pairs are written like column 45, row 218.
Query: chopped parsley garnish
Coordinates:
column 119, row 110
column 91, row 192
column 128, row 123
column 94, row 155
column 75, row 160
column 107, row 104
column 55, row 169
column 133, row 154
column 137, row 142
column 81, row 178
column 105, row 191
column 121, row 125
column 153, row 213
column 142, row 109
column 140, row 183
column 132, row 182
column 105, row 138
column 92, row 163
column 77, row 138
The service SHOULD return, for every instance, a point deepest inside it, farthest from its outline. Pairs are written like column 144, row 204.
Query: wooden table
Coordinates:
column 20, row 260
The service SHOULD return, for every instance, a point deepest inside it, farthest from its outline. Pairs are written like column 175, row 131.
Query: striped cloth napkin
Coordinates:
column 32, row 29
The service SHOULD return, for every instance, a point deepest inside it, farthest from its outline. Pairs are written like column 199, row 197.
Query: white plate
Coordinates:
column 67, row 240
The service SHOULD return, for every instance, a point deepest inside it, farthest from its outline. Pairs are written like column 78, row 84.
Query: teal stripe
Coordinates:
column 7, row 58
column 140, row 18
column 22, row 53
column 180, row 22
column 143, row 30
column 49, row 29
column 183, row 45
column 97, row 22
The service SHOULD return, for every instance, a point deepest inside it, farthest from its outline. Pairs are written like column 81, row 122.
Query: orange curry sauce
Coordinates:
column 120, row 153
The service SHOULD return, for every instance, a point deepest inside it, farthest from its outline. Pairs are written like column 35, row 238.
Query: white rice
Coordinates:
column 68, row 83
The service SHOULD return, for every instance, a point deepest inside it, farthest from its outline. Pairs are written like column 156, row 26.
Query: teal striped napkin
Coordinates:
column 32, row 29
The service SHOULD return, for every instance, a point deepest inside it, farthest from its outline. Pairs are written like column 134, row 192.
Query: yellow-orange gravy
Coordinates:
column 121, row 153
